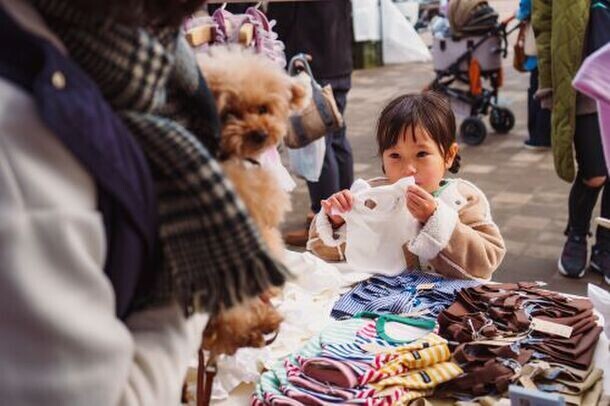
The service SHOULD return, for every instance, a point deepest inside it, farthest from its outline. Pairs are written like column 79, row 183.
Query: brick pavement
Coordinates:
column 529, row 202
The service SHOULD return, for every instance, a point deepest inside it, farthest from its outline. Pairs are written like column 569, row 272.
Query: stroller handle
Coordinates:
column 507, row 20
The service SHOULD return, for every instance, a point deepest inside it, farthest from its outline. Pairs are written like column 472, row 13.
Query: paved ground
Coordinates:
column 529, row 203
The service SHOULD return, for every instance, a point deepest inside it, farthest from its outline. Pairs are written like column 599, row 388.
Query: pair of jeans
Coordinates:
column 591, row 164
column 538, row 119
column 338, row 168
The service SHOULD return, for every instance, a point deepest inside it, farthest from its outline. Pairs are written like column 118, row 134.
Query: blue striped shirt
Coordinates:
column 401, row 295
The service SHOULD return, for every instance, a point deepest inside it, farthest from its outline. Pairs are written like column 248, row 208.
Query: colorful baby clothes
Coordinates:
column 340, row 365
column 423, row 379
column 410, row 293
column 407, row 361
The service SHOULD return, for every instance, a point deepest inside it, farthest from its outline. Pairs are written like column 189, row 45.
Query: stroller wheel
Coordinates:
column 502, row 120
column 473, row 131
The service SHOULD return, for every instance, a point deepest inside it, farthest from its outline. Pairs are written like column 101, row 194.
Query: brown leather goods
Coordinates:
column 205, row 378
column 321, row 117
column 519, row 48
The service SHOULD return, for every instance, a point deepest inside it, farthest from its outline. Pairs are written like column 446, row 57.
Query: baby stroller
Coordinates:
column 471, row 53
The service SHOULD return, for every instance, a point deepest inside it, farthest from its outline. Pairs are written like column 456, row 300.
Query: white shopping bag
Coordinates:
column 378, row 226
column 307, row 162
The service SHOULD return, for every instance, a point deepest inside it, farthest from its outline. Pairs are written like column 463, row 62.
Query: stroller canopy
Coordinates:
column 471, row 17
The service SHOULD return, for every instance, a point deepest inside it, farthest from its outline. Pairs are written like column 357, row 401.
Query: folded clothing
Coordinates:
column 410, row 293
column 355, row 361
column 502, row 327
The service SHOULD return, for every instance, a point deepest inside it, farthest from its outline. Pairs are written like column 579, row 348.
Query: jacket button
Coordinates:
column 58, row 80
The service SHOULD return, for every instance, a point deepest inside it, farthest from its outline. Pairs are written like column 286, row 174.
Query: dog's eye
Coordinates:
column 263, row 110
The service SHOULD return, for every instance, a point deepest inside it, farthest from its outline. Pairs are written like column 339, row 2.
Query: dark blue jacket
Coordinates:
column 86, row 125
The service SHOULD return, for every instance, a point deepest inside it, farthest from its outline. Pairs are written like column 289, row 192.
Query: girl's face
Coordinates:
column 420, row 158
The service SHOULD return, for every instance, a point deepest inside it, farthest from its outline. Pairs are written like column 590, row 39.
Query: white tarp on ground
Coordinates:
column 400, row 42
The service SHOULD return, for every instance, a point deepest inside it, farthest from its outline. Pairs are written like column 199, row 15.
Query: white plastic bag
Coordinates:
column 270, row 160
column 400, row 42
column 601, row 302
column 307, row 162
column 378, row 226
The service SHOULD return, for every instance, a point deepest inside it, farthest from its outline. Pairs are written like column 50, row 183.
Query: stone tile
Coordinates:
column 518, row 164
column 511, row 143
column 534, row 223
column 514, row 247
column 547, row 166
column 527, row 156
column 555, row 238
column 361, row 167
column 511, row 198
column 542, row 251
column 478, row 169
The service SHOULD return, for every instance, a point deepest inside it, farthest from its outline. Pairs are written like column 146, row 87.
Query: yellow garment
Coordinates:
column 415, row 359
column 422, row 379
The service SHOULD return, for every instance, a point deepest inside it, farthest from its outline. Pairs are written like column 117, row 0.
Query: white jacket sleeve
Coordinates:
column 60, row 341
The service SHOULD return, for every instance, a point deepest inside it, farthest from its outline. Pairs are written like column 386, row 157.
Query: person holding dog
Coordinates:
column 120, row 233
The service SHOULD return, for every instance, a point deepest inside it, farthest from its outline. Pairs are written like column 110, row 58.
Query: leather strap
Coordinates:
column 205, row 378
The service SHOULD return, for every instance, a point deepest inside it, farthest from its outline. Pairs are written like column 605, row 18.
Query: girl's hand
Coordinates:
column 342, row 201
column 420, row 203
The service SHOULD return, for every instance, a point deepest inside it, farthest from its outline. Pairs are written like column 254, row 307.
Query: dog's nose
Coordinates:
column 257, row 137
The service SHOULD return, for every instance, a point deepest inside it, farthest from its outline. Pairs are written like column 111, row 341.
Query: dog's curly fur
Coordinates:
column 254, row 98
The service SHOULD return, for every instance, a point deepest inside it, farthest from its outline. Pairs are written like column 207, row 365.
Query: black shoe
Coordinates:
column 600, row 262
column 573, row 260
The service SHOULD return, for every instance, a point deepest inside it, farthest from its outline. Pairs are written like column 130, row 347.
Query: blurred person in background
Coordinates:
column 322, row 29
column 538, row 119
column 118, row 230
column 567, row 31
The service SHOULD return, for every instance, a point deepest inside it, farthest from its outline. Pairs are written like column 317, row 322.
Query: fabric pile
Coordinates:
column 518, row 332
column 228, row 28
column 355, row 361
column 409, row 294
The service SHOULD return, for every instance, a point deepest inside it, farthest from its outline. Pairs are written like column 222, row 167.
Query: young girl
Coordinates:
column 457, row 238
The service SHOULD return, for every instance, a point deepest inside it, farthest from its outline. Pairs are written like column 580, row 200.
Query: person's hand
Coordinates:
column 545, row 97
column 420, row 203
column 342, row 201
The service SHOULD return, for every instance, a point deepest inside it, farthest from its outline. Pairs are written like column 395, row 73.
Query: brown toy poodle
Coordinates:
column 255, row 99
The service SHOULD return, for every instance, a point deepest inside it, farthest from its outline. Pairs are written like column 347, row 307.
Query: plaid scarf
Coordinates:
column 213, row 257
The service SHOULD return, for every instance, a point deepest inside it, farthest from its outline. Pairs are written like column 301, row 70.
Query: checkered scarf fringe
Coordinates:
column 213, row 257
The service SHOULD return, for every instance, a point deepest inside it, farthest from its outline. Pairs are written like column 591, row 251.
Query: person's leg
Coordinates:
column 337, row 172
column 337, row 169
column 341, row 144
column 532, row 104
column 538, row 119
column 329, row 177
column 583, row 195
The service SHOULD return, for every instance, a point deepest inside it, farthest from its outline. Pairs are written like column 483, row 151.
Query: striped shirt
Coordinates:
column 407, row 294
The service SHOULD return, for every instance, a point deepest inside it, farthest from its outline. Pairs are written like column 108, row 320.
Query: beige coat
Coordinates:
column 460, row 240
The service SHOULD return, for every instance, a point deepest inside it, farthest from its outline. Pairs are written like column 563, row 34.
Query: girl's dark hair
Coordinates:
column 143, row 12
column 429, row 110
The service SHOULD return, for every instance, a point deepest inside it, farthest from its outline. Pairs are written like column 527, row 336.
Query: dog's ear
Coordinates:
column 218, row 87
column 300, row 92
